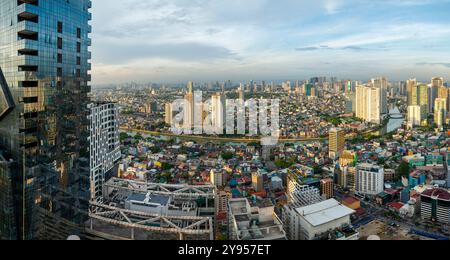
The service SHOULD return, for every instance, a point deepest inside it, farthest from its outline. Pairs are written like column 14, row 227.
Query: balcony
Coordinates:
column 28, row 35
column 31, row 2
column 29, row 52
column 28, row 84
column 28, row 127
column 28, row 68
column 27, row 16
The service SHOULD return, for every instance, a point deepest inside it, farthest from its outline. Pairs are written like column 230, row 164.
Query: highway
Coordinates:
column 215, row 138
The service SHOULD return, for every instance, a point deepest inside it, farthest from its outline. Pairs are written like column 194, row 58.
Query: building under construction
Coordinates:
column 132, row 210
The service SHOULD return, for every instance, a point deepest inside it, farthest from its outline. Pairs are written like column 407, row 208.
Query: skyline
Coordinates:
column 203, row 40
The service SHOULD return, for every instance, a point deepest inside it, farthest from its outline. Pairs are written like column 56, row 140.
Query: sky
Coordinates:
column 171, row 41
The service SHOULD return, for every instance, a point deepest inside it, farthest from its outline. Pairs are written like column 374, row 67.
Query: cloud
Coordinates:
column 349, row 48
column 173, row 51
column 333, row 6
column 442, row 64
column 235, row 39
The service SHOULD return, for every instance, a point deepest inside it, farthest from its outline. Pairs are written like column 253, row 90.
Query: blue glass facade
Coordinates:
column 44, row 170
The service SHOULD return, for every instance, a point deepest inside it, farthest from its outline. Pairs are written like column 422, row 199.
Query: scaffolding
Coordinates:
column 109, row 219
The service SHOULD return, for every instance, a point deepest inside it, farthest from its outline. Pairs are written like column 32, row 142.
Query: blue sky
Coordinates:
column 202, row 40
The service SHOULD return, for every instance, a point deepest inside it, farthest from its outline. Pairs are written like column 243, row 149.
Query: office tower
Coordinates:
column 190, row 87
column 369, row 179
column 188, row 111
column 369, row 101
column 444, row 92
column 327, row 188
column 168, row 114
column 241, row 92
column 307, row 89
column 104, row 146
column 414, row 116
column 44, row 126
column 218, row 111
column 423, row 99
column 433, row 91
column 336, row 142
column 415, row 95
column 435, row 205
column 257, row 181
column 382, row 85
column 440, row 111
column 410, row 88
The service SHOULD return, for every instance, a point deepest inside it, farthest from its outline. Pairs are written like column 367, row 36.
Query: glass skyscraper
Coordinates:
column 44, row 157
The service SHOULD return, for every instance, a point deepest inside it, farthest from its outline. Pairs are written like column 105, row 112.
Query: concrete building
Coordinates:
column 382, row 84
column 327, row 188
column 440, row 111
column 414, row 116
column 322, row 220
column 435, row 205
column 168, row 114
column 348, row 158
column 423, row 102
column 254, row 223
column 336, row 142
column 218, row 113
column 369, row 104
column 104, row 145
column 257, row 181
column 217, row 177
column 369, row 179
column 410, row 88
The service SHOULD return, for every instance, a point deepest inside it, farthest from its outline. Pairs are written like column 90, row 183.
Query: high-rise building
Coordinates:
column 336, row 142
column 382, row 84
column 217, row 177
column 440, row 111
column 190, row 87
column 410, row 87
column 327, row 188
column 435, row 205
column 218, row 112
column 369, row 104
column 436, row 84
column 444, row 92
column 414, row 116
column 188, row 110
column 168, row 114
column 348, row 158
column 257, row 181
column 44, row 127
column 423, row 102
column 104, row 146
column 369, row 179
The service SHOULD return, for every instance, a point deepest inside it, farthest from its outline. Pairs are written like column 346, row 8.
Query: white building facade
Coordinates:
column 104, row 144
column 369, row 179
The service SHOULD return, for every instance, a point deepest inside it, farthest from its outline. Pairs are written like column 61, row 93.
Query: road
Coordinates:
column 217, row 139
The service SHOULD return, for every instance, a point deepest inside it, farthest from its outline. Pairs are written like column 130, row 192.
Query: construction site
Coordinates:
column 133, row 210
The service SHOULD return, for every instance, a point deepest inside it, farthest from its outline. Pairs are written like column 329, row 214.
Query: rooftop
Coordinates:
column 324, row 212
column 441, row 194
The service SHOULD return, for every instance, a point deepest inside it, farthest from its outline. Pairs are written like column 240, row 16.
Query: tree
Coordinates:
column 123, row 136
column 403, row 170
column 227, row 155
